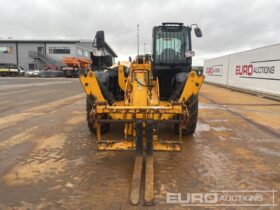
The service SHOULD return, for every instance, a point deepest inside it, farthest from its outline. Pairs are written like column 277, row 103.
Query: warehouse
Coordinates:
column 35, row 54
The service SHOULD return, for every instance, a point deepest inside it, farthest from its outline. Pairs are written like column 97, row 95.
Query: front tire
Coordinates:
column 192, row 106
column 90, row 100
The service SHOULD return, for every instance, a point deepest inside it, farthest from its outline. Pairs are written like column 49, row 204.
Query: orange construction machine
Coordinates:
column 75, row 66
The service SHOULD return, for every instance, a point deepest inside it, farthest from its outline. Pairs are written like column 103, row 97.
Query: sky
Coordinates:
column 228, row 26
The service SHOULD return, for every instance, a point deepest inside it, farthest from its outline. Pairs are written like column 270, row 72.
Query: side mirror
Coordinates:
column 100, row 39
column 198, row 32
column 130, row 59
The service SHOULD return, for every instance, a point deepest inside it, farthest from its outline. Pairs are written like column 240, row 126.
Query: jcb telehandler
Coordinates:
column 155, row 90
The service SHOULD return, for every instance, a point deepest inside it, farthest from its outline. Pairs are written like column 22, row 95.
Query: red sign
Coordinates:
column 251, row 70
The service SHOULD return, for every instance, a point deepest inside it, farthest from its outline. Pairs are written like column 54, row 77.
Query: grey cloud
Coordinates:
column 227, row 25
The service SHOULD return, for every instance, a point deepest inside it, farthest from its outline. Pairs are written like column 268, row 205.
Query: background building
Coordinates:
column 256, row 70
column 35, row 54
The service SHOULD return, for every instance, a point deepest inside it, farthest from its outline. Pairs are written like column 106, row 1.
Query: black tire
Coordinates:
column 193, row 115
column 91, row 124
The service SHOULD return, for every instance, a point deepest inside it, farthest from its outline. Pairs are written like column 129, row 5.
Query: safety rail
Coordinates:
column 46, row 59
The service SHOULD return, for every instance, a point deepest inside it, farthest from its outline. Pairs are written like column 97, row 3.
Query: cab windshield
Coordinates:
column 171, row 46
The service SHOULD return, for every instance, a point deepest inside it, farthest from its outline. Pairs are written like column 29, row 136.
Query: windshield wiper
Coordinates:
column 180, row 52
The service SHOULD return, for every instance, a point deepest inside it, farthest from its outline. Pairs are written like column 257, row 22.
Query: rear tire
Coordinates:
column 193, row 115
column 90, row 100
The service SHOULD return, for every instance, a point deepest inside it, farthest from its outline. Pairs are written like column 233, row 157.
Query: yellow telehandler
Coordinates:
column 156, row 89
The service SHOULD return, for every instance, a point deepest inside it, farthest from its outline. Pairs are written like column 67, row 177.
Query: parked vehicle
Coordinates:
column 33, row 73
column 9, row 69
column 51, row 70
column 158, row 89
column 21, row 71
column 75, row 66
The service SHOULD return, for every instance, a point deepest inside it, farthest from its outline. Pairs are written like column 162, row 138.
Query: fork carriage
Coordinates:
column 141, row 111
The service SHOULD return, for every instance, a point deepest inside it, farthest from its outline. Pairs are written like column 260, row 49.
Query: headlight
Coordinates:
column 190, row 54
column 97, row 52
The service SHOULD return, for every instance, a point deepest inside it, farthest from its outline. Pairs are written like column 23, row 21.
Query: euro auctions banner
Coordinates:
column 267, row 70
column 257, row 70
column 216, row 70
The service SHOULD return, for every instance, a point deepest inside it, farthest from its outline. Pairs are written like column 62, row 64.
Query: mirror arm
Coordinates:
column 191, row 26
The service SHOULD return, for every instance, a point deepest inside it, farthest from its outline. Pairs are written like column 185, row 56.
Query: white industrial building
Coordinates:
column 254, row 70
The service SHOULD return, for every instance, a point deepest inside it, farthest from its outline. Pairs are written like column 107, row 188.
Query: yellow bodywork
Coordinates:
column 141, row 101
